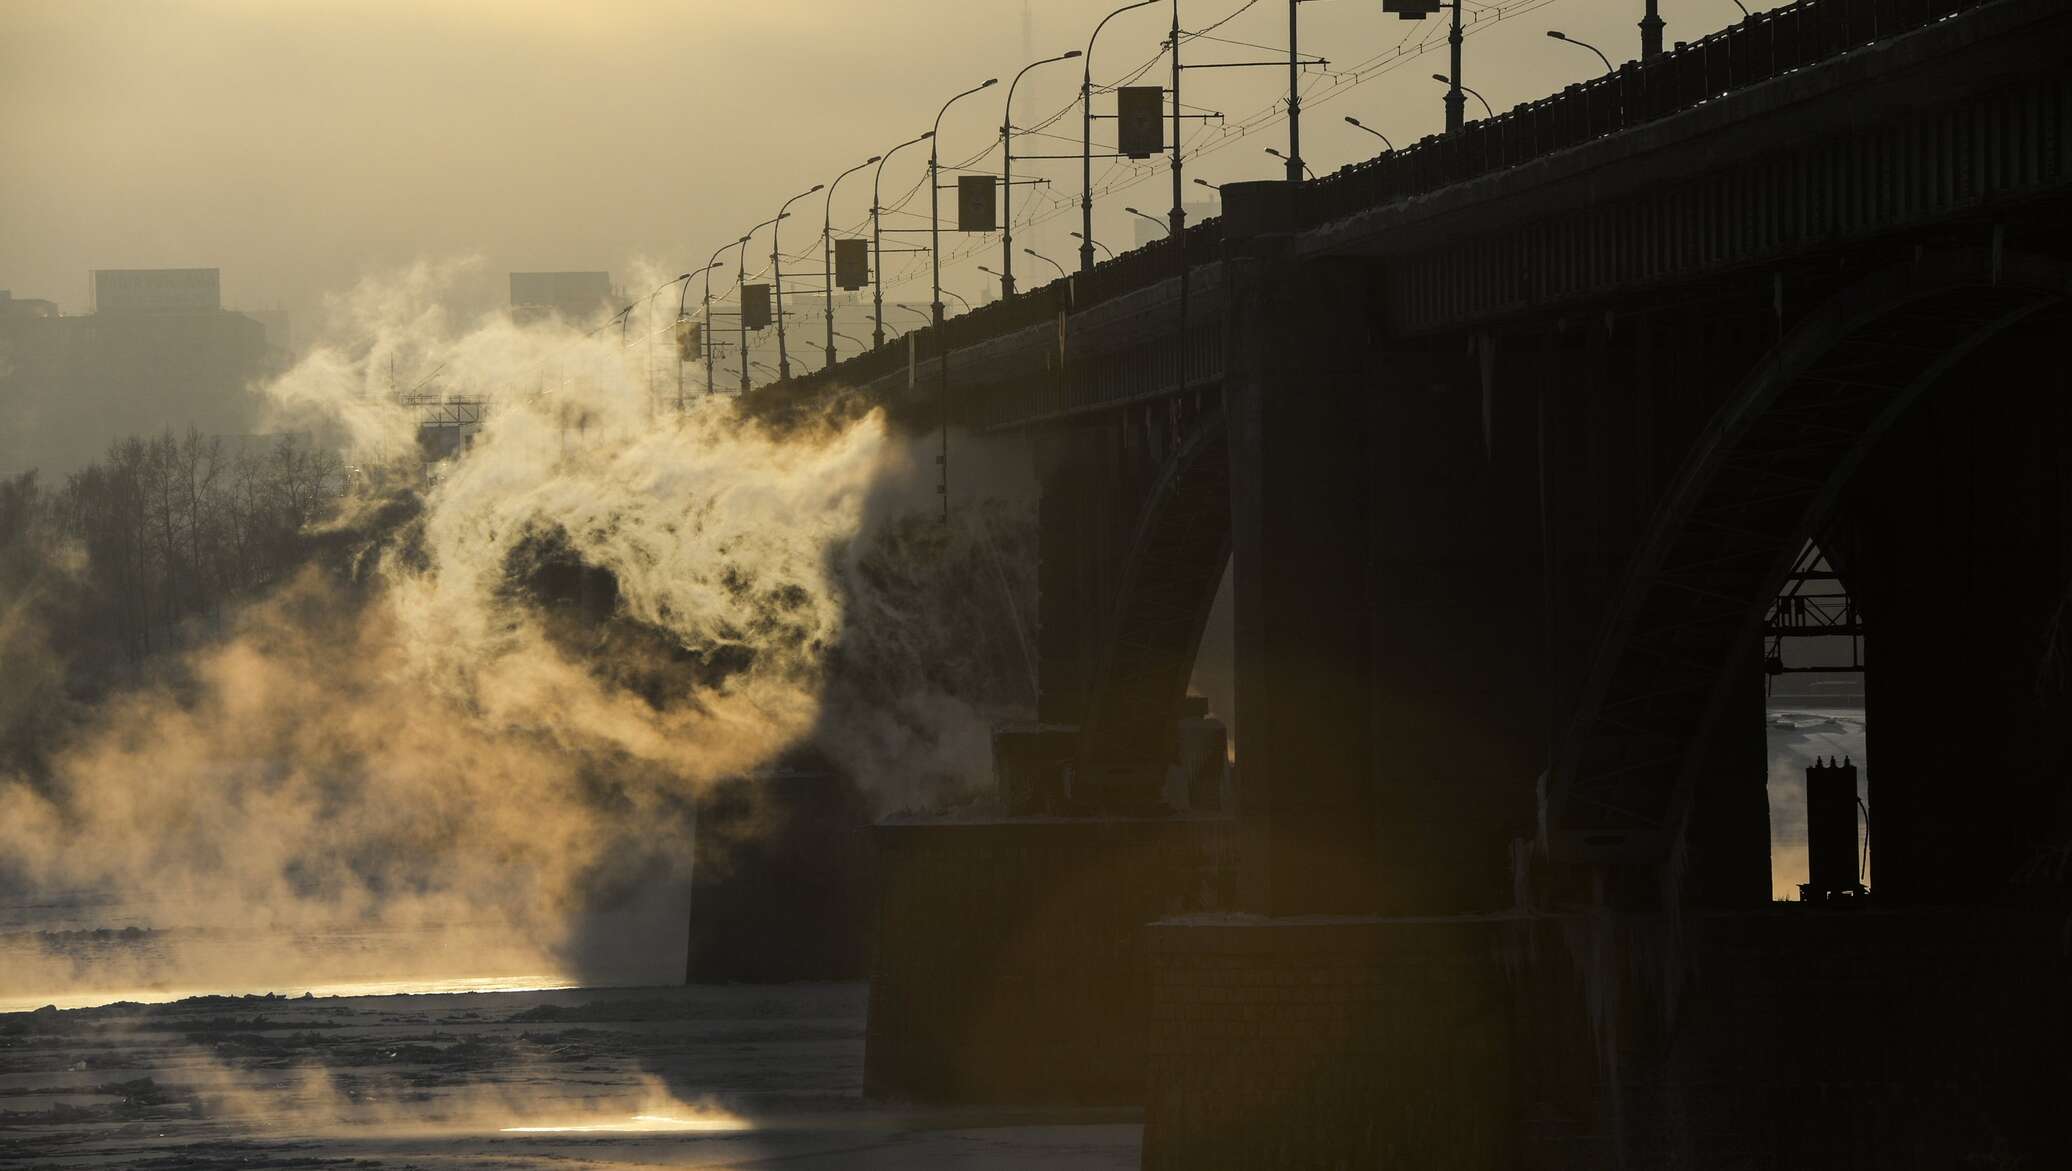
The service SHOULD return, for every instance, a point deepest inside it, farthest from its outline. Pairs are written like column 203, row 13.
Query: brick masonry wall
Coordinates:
column 1009, row 963
column 1776, row 1040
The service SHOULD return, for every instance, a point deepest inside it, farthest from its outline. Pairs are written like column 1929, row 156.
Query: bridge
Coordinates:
column 1511, row 440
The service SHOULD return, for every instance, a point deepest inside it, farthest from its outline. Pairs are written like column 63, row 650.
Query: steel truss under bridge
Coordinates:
column 1812, row 604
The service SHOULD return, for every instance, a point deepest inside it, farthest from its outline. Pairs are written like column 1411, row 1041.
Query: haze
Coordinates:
column 300, row 146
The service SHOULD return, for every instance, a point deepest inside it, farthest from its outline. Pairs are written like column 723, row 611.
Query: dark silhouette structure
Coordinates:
column 1511, row 440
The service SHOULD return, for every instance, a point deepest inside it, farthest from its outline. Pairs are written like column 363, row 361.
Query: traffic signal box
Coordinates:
column 852, row 262
column 1140, row 120
column 975, row 204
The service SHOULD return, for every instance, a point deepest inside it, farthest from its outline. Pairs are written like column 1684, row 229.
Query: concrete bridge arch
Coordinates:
column 1766, row 475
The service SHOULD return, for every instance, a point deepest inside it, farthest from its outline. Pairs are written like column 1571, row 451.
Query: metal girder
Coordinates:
column 1754, row 445
column 1181, row 541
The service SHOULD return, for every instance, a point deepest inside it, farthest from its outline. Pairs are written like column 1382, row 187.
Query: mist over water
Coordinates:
column 486, row 714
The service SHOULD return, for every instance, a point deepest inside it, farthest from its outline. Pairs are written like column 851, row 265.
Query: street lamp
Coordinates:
column 648, row 315
column 1162, row 225
column 1350, row 120
column 878, row 245
column 1292, row 162
column 1444, row 80
column 1007, row 174
column 827, row 244
column 1047, row 260
column 710, row 385
column 1651, row 30
column 958, row 297
column 777, row 278
column 942, row 363
column 1209, row 185
column 1085, row 244
column 1558, row 35
column 741, row 275
column 1086, row 143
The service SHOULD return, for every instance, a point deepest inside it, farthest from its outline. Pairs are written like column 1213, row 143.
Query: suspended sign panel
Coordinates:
column 1410, row 9
column 689, row 338
column 755, row 306
column 852, row 263
column 1140, row 120
column 975, row 204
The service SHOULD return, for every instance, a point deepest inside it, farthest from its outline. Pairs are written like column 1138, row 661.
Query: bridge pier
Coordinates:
column 1518, row 430
column 1963, row 566
column 1298, row 402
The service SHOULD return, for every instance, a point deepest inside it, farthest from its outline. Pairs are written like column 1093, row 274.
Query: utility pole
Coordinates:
column 1294, row 101
column 827, row 250
column 1456, row 102
column 878, row 246
column 1179, row 221
column 777, row 279
column 942, row 351
column 1179, row 213
column 1007, row 169
column 1651, row 32
column 741, row 275
column 1086, row 142
column 711, row 385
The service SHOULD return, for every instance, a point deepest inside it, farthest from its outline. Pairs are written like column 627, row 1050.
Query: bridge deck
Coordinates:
column 1079, row 343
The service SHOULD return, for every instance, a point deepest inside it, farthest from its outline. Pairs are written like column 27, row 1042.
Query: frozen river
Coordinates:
column 455, row 1048
column 649, row 1077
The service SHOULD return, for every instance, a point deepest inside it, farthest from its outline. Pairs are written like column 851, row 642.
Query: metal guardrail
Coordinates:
column 1764, row 46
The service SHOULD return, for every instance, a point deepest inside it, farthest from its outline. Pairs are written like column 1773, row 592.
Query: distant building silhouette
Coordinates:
column 159, row 352
column 578, row 298
column 13, row 306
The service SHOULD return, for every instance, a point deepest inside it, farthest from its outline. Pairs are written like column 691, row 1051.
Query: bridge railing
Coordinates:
column 1110, row 279
column 1764, row 46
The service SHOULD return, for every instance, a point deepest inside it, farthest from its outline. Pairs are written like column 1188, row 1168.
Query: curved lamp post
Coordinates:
column 777, row 278
column 1444, row 80
column 1352, row 121
column 1047, row 260
column 1007, row 175
column 710, row 384
column 1162, row 225
column 878, row 246
column 942, row 352
column 1292, row 163
column 1558, row 35
column 827, row 254
column 1086, row 143
column 741, row 276
column 648, row 359
column 1084, row 244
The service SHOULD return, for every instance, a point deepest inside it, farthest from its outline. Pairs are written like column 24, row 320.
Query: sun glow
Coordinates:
column 639, row 1123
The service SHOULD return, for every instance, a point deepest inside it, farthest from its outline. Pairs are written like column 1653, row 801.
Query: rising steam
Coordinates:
column 490, row 710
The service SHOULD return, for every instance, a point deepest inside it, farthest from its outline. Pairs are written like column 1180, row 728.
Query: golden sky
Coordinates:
column 298, row 144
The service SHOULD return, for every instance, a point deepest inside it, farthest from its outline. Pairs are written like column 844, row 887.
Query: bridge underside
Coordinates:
column 1508, row 479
